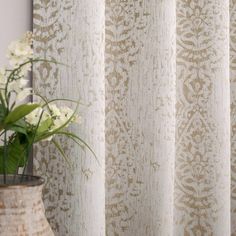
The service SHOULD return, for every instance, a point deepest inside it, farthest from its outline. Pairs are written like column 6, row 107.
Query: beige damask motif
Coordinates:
column 60, row 28
column 163, row 92
column 202, row 182
column 51, row 32
column 123, row 20
column 140, row 117
column 48, row 25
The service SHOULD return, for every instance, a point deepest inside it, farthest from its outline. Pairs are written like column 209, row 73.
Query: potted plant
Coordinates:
column 21, row 125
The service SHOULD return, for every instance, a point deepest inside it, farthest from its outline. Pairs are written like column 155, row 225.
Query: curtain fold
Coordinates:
column 140, row 117
column 72, row 32
column 202, row 183
column 233, row 112
column 158, row 81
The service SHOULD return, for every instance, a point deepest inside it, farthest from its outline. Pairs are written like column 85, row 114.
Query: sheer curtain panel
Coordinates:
column 158, row 84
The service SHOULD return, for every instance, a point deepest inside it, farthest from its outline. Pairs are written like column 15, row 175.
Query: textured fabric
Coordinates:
column 159, row 82
column 80, row 188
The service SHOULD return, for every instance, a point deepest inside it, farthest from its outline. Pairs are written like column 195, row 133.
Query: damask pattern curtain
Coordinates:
column 158, row 84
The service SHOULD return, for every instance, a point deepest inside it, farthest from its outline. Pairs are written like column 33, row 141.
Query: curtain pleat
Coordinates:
column 233, row 112
column 158, row 82
column 202, row 183
column 140, row 117
column 72, row 32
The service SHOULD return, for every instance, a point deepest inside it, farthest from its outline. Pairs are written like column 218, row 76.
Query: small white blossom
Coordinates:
column 60, row 116
column 23, row 94
column 19, row 87
column 34, row 116
column 59, row 121
column 54, row 110
column 25, row 69
column 20, row 51
column 3, row 78
column 66, row 112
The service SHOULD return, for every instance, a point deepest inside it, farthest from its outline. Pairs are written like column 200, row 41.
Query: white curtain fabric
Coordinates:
column 158, row 80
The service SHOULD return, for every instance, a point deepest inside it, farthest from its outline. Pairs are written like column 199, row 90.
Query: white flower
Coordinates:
column 19, row 87
column 20, row 51
column 3, row 78
column 23, row 94
column 66, row 112
column 25, row 69
column 60, row 120
column 54, row 110
column 34, row 116
column 60, row 116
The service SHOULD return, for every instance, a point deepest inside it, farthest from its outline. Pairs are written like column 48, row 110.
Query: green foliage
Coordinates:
column 19, row 112
column 26, row 124
column 2, row 115
column 16, row 154
column 2, row 112
column 59, row 148
column 19, row 126
column 44, row 126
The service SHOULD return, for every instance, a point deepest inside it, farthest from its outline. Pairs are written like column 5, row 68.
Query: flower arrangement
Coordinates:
column 23, row 123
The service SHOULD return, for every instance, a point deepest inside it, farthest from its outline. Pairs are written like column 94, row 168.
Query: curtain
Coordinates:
column 157, row 80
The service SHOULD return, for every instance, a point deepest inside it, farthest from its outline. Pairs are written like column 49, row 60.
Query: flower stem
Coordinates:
column 5, row 158
column 30, row 146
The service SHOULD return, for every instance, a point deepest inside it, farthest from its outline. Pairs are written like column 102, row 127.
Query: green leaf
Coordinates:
column 2, row 101
column 20, row 112
column 2, row 112
column 2, row 116
column 44, row 126
column 59, row 148
column 19, row 126
column 16, row 156
column 55, row 131
column 18, row 129
column 73, row 136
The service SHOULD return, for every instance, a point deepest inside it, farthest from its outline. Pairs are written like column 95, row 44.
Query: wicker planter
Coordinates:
column 21, row 207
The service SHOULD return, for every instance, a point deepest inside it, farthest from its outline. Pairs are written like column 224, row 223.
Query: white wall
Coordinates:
column 15, row 19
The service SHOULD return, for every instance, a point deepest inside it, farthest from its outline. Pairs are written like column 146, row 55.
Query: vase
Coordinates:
column 22, row 211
